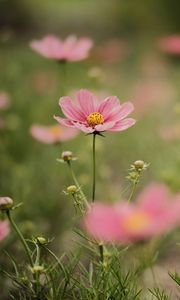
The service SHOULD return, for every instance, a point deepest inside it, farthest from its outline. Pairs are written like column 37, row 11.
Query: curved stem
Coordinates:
column 94, row 168
column 133, row 190
column 27, row 250
column 77, row 184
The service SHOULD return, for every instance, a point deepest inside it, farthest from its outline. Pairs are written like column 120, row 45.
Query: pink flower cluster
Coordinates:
column 71, row 49
column 52, row 134
column 154, row 213
column 93, row 116
column 4, row 229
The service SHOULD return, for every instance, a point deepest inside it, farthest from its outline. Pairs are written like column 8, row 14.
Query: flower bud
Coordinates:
column 139, row 164
column 5, row 203
column 37, row 269
column 72, row 189
column 41, row 240
column 67, row 155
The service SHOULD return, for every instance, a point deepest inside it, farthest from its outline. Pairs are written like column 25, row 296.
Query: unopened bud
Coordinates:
column 37, row 269
column 72, row 189
column 5, row 203
column 139, row 164
column 67, row 156
column 41, row 240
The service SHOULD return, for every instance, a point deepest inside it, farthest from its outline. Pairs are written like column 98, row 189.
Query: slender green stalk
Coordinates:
column 133, row 191
column 64, row 77
column 26, row 248
column 77, row 184
column 94, row 168
column 101, row 248
column 101, row 251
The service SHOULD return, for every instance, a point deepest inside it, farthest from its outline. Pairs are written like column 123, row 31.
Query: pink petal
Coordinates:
column 102, row 222
column 70, row 111
column 50, row 47
column 4, row 229
column 107, row 105
column 83, row 127
column 64, row 122
column 81, row 49
column 42, row 134
column 154, row 198
column 87, row 102
column 123, row 124
column 105, row 126
column 125, row 109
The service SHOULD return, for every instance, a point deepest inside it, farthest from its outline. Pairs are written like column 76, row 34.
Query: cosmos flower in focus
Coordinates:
column 71, row 49
column 4, row 229
column 52, row 134
column 154, row 213
column 92, row 116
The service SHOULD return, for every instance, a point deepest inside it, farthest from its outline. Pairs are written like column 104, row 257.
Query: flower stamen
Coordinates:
column 94, row 119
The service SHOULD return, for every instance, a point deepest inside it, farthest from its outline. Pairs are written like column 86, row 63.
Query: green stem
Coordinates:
column 64, row 78
column 101, row 248
column 77, row 184
column 94, row 168
column 101, row 251
column 26, row 248
column 133, row 191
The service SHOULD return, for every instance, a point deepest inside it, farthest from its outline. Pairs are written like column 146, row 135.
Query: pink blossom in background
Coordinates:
column 4, row 229
column 52, row 134
column 155, row 212
column 170, row 44
column 4, row 100
column 71, row 49
column 93, row 116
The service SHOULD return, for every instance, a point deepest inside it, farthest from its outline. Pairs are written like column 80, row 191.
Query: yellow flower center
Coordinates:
column 136, row 221
column 94, row 119
column 55, row 130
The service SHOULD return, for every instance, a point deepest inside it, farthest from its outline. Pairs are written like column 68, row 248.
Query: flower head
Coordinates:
column 6, row 203
column 152, row 214
column 52, row 134
column 4, row 229
column 91, row 116
column 71, row 49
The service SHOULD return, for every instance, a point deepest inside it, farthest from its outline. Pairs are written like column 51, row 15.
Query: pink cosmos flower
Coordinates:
column 52, row 134
column 170, row 44
column 4, row 100
column 4, row 229
column 71, row 49
column 152, row 214
column 91, row 116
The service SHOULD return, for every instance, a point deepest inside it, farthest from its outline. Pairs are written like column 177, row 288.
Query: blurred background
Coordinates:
column 126, row 61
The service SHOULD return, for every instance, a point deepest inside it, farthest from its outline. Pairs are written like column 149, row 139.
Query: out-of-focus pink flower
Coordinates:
column 52, row 134
column 170, row 44
column 71, row 49
column 4, row 100
column 4, row 229
column 91, row 116
column 154, row 213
